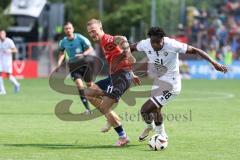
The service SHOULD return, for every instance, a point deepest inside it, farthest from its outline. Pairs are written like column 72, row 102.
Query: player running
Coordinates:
column 162, row 53
column 74, row 47
column 95, row 93
column 118, row 55
column 7, row 48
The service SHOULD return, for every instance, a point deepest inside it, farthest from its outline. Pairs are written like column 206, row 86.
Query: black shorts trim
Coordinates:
column 156, row 101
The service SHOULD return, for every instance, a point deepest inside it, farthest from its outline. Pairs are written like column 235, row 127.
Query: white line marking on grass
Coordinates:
column 200, row 96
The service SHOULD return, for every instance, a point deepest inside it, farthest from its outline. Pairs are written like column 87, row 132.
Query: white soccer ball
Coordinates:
column 158, row 142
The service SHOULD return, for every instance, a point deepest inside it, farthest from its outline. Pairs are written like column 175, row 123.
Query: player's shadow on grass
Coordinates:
column 65, row 146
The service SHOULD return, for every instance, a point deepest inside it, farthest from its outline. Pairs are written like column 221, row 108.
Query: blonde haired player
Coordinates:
column 118, row 55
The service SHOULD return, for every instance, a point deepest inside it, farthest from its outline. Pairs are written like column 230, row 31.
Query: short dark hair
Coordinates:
column 67, row 23
column 156, row 31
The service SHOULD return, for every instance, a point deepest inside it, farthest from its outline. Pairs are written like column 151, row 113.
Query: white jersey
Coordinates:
column 5, row 46
column 6, row 55
column 164, row 64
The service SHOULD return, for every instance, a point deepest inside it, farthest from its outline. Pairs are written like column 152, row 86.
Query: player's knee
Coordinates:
column 144, row 112
column 148, row 107
column 94, row 102
column 104, row 110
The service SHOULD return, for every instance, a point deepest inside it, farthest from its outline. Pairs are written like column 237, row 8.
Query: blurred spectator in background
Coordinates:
column 181, row 34
column 216, row 27
column 238, row 53
column 227, row 54
column 222, row 34
column 228, row 59
column 184, row 70
column 213, row 54
column 214, row 43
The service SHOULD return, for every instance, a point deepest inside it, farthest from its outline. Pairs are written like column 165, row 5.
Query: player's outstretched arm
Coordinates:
column 133, row 47
column 204, row 55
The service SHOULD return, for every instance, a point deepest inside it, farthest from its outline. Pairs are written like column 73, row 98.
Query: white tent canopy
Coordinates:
column 31, row 8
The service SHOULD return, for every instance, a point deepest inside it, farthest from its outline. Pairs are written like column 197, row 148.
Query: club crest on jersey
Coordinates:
column 165, row 53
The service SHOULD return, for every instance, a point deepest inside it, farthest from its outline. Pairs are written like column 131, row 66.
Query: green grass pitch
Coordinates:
column 202, row 123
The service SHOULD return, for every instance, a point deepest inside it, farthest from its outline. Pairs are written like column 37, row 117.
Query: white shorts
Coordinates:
column 164, row 91
column 5, row 63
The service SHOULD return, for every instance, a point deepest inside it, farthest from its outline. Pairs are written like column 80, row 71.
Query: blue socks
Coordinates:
column 120, row 131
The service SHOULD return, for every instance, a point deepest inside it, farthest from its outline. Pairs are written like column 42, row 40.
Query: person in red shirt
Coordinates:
column 118, row 55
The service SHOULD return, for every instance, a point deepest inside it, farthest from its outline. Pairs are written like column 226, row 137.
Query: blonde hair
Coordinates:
column 95, row 21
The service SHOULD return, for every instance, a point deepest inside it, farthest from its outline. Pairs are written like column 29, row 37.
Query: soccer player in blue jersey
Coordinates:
column 74, row 47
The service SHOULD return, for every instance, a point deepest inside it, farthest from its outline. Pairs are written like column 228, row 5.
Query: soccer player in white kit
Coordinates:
column 7, row 48
column 162, row 53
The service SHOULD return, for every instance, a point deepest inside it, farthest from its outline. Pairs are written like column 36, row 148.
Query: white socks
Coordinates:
column 14, row 81
column 2, row 88
column 160, row 129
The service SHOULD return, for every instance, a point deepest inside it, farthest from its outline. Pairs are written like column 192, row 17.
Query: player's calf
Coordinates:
column 148, row 113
